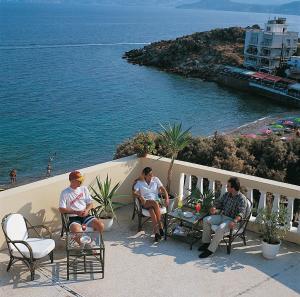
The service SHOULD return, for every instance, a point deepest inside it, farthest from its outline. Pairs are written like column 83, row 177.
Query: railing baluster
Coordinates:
column 187, row 186
column 224, row 188
column 200, row 183
column 262, row 200
column 181, row 186
column 211, row 185
column 290, row 208
column 276, row 201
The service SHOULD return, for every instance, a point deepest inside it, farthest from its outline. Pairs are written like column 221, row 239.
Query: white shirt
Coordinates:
column 75, row 199
column 149, row 192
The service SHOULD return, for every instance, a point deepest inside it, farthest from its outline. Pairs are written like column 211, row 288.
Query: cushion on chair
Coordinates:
column 146, row 212
column 40, row 247
column 15, row 227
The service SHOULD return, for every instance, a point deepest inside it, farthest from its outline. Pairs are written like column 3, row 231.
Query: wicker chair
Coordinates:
column 21, row 247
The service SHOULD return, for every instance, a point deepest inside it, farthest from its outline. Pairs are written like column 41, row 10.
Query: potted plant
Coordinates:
column 144, row 143
column 273, row 226
column 174, row 139
column 103, row 193
column 201, row 201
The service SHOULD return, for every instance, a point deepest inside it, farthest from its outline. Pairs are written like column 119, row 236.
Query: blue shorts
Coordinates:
column 81, row 220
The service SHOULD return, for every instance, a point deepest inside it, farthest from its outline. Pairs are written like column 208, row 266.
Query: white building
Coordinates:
column 267, row 49
column 293, row 64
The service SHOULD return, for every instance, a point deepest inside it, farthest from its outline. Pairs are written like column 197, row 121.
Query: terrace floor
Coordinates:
column 136, row 266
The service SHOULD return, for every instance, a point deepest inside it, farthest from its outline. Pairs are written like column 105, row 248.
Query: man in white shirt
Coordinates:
column 147, row 189
column 76, row 201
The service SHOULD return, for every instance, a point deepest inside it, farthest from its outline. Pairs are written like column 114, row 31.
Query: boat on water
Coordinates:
column 277, row 88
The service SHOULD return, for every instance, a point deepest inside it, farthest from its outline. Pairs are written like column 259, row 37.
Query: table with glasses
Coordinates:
column 184, row 224
column 85, row 253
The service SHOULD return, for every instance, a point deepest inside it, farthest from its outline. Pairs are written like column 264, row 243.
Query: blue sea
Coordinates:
column 66, row 92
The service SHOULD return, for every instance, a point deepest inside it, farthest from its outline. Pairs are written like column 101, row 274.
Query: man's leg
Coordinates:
column 207, row 222
column 219, row 233
column 97, row 225
column 154, row 220
column 75, row 228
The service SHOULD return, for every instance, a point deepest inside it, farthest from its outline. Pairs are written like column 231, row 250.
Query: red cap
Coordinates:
column 76, row 175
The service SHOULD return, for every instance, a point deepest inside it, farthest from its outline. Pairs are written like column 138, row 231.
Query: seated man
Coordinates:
column 146, row 189
column 233, row 206
column 76, row 201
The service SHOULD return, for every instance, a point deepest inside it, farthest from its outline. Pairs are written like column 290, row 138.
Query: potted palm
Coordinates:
column 103, row 193
column 273, row 226
column 174, row 139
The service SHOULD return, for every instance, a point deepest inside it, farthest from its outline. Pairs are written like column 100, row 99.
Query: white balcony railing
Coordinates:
column 39, row 201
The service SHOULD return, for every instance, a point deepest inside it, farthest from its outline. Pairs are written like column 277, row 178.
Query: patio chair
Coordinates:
column 240, row 231
column 144, row 214
column 21, row 247
column 65, row 224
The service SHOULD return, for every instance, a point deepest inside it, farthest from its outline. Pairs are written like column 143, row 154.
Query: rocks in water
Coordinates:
column 197, row 55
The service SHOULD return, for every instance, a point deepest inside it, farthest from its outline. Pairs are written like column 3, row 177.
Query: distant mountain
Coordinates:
column 228, row 5
column 170, row 3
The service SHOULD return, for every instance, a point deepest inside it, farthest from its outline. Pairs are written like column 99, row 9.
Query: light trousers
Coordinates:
column 222, row 222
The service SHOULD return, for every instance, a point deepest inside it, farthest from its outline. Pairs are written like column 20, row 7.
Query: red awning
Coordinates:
column 266, row 76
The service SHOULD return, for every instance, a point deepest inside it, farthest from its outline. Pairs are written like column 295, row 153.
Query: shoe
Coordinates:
column 157, row 237
column 203, row 247
column 161, row 232
column 205, row 254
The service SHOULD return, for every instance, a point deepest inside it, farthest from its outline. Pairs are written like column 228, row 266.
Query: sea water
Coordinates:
column 66, row 93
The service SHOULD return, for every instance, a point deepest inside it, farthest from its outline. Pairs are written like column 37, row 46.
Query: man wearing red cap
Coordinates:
column 76, row 201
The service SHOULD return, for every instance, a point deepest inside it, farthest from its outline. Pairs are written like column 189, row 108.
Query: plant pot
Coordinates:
column 172, row 200
column 270, row 251
column 108, row 222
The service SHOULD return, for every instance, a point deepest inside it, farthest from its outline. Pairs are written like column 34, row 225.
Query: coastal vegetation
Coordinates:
column 270, row 157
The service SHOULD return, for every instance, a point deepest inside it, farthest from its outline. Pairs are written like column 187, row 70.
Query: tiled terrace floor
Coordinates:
column 135, row 266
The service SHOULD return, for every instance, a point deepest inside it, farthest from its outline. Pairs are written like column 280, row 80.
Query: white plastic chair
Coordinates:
column 22, row 247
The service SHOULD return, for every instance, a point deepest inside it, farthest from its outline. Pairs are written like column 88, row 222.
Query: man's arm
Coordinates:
column 85, row 212
column 67, row 210
column 165, row 194
column 138, row 195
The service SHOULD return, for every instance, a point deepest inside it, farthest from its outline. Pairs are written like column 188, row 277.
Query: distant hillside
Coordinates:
column 227, row 5
column 170, row 3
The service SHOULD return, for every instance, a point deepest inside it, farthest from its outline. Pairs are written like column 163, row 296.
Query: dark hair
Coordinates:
column 235, row 183
column 147, row 170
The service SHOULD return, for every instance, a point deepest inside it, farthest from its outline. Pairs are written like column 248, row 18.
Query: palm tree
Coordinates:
column 175, row 140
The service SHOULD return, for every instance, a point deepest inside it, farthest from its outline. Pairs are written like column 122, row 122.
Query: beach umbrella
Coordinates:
column 252, row 135
column 266, row 131
column 277, row 126
column 288, row 123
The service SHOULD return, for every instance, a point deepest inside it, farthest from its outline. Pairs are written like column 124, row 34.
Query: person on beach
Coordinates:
column 13, row 176
column 298, row 132
column 76, row 202
column 233, row 206
column 147, row 189
column 49, row 168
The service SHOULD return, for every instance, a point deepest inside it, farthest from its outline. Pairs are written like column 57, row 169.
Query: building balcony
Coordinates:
column 135, row 266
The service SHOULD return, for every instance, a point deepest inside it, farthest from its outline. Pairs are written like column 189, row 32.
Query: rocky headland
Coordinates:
column 202, row 54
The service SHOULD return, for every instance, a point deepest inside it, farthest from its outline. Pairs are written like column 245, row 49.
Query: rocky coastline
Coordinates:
column 201, row 55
